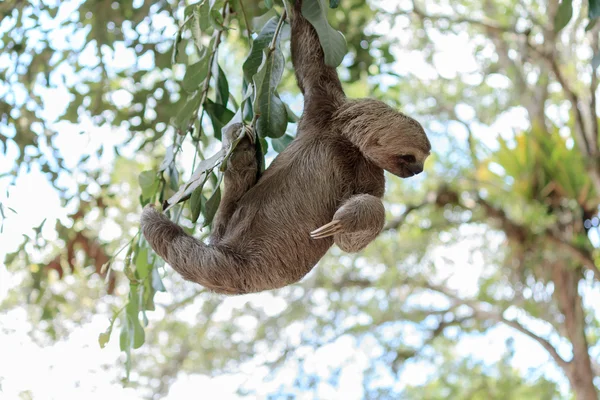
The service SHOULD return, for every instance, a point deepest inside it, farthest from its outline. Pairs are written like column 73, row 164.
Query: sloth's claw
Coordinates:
column 327, row 230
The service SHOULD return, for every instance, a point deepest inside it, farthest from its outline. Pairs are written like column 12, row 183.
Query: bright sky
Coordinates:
column 77, row 367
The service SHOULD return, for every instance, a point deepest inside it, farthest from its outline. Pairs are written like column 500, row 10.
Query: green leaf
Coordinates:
column 132, row 311
column 173, row 177
column 204, row 16
column 332, row 41
column 168, row 160
column 125, row 336
column 281, row 143
column 273, row 116
column 216, row 15
column 103, row 339
column 293, row 118
column 269, row 4
column 593, row 9
column 591, row 24
column 178, row 39
column 195, row 74
column 596, row 61
column 183, row 119
column 334, row 3
column 157, row 283
column 222, row 90
column 196, row 203
column 142, row 267
column 254, row 59
column 198, row 178
column 148, row 299
column 148, row 183
column 212, row 205
column 219, row 116
column 563, row 15
column 273, row 119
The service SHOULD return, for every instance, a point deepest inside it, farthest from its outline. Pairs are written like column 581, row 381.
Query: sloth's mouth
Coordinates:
column 405, row 172
column 408, row 170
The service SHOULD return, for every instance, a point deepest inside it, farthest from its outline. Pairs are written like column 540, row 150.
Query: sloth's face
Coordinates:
column 390, row 139
column 401, row 147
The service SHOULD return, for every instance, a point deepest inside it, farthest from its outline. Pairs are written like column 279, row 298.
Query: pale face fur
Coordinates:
column 388, row 138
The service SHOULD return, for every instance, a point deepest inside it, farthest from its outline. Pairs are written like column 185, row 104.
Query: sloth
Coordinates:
column 324, row 188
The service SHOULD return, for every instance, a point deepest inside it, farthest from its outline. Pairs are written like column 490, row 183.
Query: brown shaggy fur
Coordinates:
column 265, row 233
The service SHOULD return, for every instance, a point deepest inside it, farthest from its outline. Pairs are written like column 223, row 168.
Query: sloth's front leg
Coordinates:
column 355, row 224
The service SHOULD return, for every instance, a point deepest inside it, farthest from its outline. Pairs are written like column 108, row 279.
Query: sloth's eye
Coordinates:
column 408, row 158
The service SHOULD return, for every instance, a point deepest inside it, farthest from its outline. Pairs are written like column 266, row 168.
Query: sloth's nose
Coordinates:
column 415, row 168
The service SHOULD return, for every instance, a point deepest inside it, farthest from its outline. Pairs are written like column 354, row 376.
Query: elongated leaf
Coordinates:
column 219, row 116
column 195, row 202
column 215, row 15
column 132, row 310
column 142, row 267
column 175, row 51
column 125, row 336
column 212, row 205
column 148, row 183
column 183, row 120
column 563, row 15
column 332, row 41
column 168, row 160
column 596, row 61
column 196, row 29
column 594, row 9
column 291, row 116
column 195, row 75
column 255, row 57
column 273, row 119
column 273, row 116
column 222, row 95
column 281, row 143
column 157, row 283
column 198, row 178
column 334, row 3
column 204, row 16
column 173, row 177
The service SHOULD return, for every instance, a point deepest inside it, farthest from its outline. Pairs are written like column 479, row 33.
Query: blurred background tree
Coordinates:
column 497, row 241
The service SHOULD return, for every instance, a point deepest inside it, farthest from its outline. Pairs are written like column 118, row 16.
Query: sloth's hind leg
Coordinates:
column 239, row 177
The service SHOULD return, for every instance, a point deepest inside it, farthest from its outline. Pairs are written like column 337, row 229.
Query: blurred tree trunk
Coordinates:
column 579, row 369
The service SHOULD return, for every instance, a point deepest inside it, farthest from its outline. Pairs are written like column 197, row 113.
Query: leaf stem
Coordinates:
column 277, row 30
column 246, row 22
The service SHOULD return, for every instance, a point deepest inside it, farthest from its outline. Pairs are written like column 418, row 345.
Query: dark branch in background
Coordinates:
column 580, row 131
column 520, row 233
column 487, row 24
column 397, row 222
column 497, row 315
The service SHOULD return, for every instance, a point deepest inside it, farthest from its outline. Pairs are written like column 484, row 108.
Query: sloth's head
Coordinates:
column 390, row 139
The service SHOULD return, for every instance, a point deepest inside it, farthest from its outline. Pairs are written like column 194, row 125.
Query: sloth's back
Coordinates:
column 299, row 192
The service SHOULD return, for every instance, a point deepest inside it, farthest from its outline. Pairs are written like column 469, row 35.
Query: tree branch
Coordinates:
column 497, row 315
column 397, row 222
column 488, row 24
column 519, row 233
